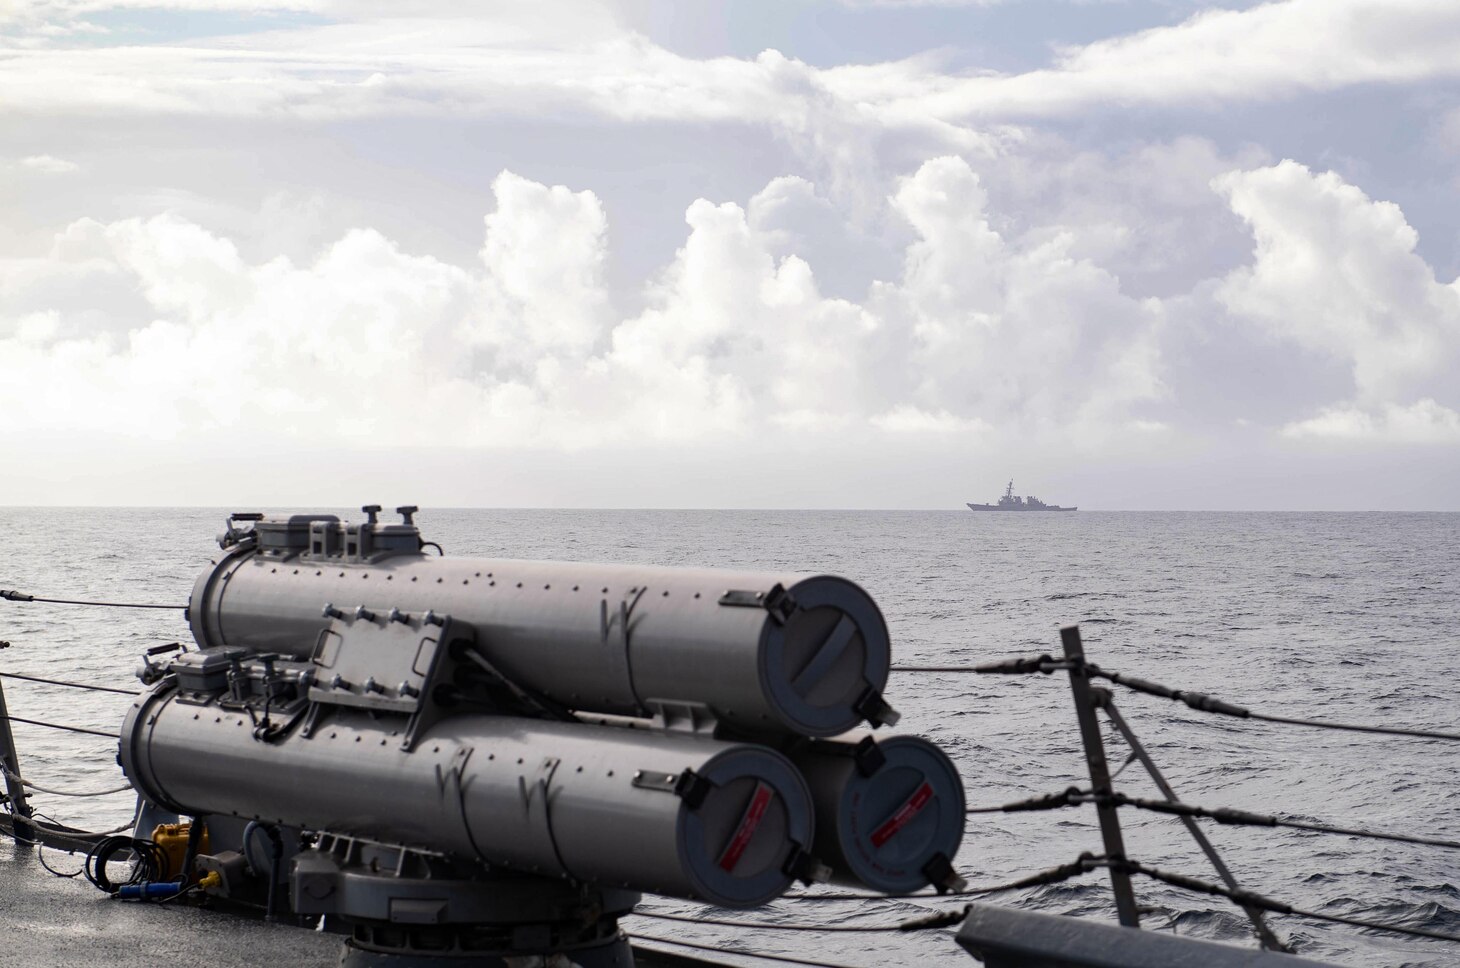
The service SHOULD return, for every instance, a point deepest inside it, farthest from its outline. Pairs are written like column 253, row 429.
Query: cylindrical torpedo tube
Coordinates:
column 889, row 813
column 764, row 651
column 670, row 814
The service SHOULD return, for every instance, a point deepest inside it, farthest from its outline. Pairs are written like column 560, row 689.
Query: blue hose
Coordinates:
column 150, row 890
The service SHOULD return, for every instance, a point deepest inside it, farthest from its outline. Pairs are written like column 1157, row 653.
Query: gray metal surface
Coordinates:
column 881, row 817
column 557, row 799
column 606, row 638
column 1005, row 938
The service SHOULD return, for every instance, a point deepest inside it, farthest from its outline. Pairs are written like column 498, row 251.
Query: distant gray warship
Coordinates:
column 1013, row 502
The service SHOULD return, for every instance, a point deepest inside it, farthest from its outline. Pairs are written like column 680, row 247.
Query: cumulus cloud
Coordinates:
column 530, row 59
column 1423, row 422
column 1336, row 273
column 48, row 165
column 1217, row 57
column 525, row 349
column 1001, row 327
column 158, row 328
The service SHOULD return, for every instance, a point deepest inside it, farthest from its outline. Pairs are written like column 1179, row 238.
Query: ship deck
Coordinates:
column 55, row 922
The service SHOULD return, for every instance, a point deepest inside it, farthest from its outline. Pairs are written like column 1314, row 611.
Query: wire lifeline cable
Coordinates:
column 127, row 788
column 1209, row 704
column 61, row 726
column 1227, row 815
column 1019, row 665
column 1083, row 864
column 1276, row 907
column 771, row 925
column 1046, row 801
column 11, row 595
column 1199, row 701
column 54, row 826
column 72, row 685
column 1355, row 727
column 786, row 959
column 63, row 830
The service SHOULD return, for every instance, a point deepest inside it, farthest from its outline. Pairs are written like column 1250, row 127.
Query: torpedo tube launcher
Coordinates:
column 623, row 728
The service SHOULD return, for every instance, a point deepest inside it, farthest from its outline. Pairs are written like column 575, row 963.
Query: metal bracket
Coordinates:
column 940, row 873
column 868, row 756
column 875, row 710
column 684, row 717
column 805, row 868
column 688, row 785
column 779, row 603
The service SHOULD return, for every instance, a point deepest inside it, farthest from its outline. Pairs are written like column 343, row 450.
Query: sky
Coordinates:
column 1132, row 254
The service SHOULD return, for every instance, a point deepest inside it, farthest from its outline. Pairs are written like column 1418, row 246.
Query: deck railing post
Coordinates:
column 1265, row 934
column 10, row 761
column 1125, row 898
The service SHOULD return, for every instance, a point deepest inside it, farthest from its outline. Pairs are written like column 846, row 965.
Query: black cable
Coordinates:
column 56, row 827
column 1249, row 899
column 769, row 925
column 149, row 860
column 173, row 897
column 1228, row 815
column 1081, row 865
column 1196, row 700
column 72, row 685
column 40, row 856
column 1020, row 665
column 1208, row 704
column 69, row 729
column 14, row 596
column 1047, row 801
column 1355, row 728
column 720, row 949
column 970, row 669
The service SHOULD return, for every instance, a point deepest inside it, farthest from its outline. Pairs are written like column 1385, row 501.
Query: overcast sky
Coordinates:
column 1132, row 254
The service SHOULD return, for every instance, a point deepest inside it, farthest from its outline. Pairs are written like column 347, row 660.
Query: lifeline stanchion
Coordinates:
column 1265, row 935
column 1125, row 898
column 10, row 762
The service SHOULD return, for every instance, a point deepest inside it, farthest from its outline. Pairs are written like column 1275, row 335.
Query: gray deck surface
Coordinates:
column 48, row 922
column 51, row 922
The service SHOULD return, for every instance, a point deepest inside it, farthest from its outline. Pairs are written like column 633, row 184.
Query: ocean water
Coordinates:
column 1349, row 617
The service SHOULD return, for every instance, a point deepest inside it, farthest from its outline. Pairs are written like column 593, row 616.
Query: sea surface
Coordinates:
column 1346, row 617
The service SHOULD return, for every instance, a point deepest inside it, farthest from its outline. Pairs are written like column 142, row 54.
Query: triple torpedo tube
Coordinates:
column 890, row 814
